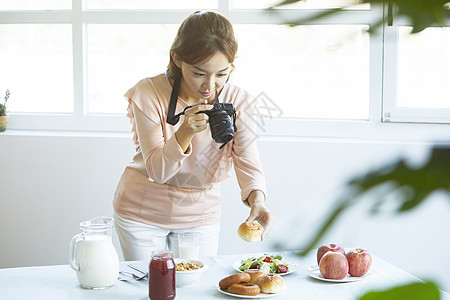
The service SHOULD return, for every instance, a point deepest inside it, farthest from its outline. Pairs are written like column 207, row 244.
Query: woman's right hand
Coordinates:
column 193, row 123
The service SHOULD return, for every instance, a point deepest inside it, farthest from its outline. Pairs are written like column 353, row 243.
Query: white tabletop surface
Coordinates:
column 60, row 282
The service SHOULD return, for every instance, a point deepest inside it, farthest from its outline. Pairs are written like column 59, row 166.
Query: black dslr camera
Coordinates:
column 222, row 130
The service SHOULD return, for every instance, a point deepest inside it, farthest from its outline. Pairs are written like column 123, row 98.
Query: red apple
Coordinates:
column 359, row 262
column 333, row 265
column 328, row 247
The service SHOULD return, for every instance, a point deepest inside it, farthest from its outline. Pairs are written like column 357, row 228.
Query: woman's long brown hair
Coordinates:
column 200, row 36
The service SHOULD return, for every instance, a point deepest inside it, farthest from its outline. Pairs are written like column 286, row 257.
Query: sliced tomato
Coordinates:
column 268, row 259
column 282, row 269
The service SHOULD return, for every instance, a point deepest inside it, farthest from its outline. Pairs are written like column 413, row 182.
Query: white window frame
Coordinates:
column 377, row 126
column 392, row 112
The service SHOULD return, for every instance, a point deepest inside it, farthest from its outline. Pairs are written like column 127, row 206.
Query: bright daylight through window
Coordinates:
column 68, row 63
column 424, row 58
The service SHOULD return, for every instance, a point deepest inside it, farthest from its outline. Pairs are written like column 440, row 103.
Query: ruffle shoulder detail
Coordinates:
column 143, row 95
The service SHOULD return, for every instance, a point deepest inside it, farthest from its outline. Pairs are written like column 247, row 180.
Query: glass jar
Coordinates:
column 161, row 282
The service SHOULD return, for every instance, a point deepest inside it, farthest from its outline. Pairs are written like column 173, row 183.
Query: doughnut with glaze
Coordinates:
column 235, row 278
column 244, row 288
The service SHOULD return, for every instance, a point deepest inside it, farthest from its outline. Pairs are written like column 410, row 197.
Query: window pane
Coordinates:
column 310, row 4
column 35, row 4
column 424, row 68
column 121, row 55
column 319, row 71
column 36, row 66
column 151, row 4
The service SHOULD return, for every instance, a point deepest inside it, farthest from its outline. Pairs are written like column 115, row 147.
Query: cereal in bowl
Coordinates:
column 187, row 266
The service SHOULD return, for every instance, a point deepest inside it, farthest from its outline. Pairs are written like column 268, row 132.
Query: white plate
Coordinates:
column 314, row 272
column 259, row 296
column 292, row 268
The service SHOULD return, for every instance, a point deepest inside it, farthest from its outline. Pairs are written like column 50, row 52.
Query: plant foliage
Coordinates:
column 3, row 105
column 412, row 186
column 421, row 13
column 416, row 291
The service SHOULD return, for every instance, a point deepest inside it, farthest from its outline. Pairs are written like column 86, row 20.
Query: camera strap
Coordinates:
column 173, row 119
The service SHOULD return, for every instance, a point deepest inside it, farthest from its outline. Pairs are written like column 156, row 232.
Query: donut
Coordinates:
column 235, row 278
column 255, row 275
column 244, row 288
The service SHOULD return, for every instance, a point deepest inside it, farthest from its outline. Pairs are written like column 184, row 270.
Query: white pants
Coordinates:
column 138, row 240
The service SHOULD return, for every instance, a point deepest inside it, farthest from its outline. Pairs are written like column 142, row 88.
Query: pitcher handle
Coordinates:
column 73, row 244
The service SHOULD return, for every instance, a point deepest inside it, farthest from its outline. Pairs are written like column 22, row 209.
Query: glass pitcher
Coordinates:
column 93, row 256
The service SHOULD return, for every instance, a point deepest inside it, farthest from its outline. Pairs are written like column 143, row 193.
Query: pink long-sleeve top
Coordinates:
column 166, row 187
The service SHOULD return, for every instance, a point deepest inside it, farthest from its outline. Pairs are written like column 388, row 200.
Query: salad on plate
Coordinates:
column 271, row 264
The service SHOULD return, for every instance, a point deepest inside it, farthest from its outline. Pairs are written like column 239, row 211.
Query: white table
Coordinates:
column 60, row 282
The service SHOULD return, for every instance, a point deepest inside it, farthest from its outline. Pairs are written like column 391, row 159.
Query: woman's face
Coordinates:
column 200, row 82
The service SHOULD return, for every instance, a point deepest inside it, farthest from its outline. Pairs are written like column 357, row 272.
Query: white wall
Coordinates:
column 50, row 183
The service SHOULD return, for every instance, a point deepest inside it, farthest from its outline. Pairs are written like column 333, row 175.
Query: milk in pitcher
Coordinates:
column 99, row 263
column 93, row 256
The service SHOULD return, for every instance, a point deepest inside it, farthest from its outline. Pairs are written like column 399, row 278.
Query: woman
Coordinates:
column 172, row 184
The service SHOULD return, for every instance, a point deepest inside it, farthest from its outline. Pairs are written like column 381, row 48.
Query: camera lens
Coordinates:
column 221, row 127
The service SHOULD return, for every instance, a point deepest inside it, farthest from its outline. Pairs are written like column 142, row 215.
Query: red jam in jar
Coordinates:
column 161, row 282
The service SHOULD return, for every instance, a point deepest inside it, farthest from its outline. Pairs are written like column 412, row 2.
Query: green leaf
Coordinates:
column 413, row 186
column 416, row 291
column 314, row 18
column 340, row 207
column 414, row 200
column 421, row 13
column 286, row 2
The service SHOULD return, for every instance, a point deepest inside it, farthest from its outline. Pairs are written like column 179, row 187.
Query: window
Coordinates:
column 36, row 63
column 151, row 4
column 35, row 4
column 68, row 63
column 325, row 77
column 138, row 50
column 310, row 4
column 421, row 74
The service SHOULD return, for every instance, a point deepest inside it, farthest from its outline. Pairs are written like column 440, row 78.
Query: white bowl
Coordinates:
column 185, row 278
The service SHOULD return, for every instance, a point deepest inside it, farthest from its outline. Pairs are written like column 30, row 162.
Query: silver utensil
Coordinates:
column 126, row 279
column 122, row 278
column 139, row 270
column 136, row 277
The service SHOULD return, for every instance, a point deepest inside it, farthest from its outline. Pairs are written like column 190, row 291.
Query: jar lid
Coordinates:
column 161, row 254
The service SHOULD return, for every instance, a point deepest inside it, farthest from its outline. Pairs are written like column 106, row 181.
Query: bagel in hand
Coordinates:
column 250, row 231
